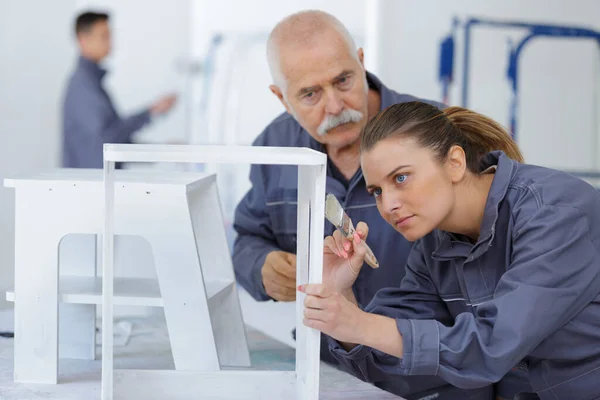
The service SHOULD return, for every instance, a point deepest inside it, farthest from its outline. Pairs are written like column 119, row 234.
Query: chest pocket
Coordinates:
column 456, row 305
column 282, row 211
column 450, row 291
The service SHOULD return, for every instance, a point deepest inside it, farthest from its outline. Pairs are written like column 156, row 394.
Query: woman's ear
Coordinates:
column 456, row 163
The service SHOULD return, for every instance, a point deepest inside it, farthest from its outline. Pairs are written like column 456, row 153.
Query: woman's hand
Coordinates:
column 333, row 314
column 344, row 258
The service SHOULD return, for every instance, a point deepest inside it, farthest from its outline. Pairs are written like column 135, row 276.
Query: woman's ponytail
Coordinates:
column 483, row 133
column 440, row 130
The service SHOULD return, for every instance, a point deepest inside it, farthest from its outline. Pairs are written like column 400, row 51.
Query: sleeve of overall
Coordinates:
column 255, row 239
column 120, row 130
column 94, row 114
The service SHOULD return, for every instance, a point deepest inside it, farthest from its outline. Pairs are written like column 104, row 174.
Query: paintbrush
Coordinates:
column 338, row 217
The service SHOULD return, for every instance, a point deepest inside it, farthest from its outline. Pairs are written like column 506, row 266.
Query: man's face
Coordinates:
column 96, row 43
column 326, row 90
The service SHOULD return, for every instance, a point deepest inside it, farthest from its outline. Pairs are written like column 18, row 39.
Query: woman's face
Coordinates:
column 414, row 192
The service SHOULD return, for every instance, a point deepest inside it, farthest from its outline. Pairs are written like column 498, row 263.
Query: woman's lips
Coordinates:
column 400, row 222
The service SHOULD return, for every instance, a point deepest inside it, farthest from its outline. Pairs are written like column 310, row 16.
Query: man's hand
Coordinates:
column 279, row 275
column 163, row 105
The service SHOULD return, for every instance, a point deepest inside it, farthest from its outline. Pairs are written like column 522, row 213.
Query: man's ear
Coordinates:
column 80, row 39
column 361, row 56
column 276, row 90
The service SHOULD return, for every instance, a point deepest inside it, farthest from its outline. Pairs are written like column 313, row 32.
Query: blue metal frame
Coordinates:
column 447, row 61
column 535, row 30
column 513, row 64
column 472, row 22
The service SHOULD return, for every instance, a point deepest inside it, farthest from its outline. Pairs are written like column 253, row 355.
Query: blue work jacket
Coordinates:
column 526, row 294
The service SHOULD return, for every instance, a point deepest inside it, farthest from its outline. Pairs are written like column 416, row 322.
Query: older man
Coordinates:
column 319, row 77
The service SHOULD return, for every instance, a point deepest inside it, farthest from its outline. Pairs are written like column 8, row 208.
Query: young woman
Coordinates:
column 504, row 272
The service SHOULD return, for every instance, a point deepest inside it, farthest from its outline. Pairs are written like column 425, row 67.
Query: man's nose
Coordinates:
column 334, row 104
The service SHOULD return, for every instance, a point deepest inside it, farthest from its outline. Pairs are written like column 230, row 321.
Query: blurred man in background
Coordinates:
column 89, row 117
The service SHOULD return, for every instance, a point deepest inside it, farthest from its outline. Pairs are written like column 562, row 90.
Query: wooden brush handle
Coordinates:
column 369, row 256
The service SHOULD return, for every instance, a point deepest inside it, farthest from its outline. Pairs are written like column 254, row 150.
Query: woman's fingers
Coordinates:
column 363, row 230
column 359, row 248
column 315, row 324
column 316, row 315
column 315, row 289
column 331, row 245
column 341, row 244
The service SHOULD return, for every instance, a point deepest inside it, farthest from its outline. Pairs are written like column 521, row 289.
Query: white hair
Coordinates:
column 302, row 28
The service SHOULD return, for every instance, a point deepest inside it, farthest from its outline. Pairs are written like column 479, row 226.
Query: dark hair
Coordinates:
column 86, row 21
column 439, row 130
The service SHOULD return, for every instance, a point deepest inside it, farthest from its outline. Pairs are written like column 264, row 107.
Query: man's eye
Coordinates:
column 311, row 98
column 376, row 192
column 344, row 82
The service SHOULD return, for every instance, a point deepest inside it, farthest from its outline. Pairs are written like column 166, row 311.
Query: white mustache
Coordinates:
column 332, row 121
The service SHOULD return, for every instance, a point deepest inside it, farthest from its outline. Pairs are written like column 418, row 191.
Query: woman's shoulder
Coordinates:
column 549, row 187
column 536, row 191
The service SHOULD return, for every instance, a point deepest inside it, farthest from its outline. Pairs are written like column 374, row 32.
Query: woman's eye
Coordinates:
column 401, row 178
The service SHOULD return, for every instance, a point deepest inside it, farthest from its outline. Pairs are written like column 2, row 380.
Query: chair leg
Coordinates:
column 36, row 305
column 77, row 322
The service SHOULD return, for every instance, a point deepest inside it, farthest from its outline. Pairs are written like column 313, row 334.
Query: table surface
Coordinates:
column 148, row 348
column 95, row 176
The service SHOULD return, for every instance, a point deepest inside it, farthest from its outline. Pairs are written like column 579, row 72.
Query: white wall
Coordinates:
column 36, row 54
column 559, row 78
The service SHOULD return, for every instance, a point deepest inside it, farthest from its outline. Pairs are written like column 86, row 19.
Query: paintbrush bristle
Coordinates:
column 333, row 210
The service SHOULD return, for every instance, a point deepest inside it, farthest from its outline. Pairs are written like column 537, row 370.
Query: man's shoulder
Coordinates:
column 78, row 81
column 283, row 131
column 390, row 97
column 399, row 98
